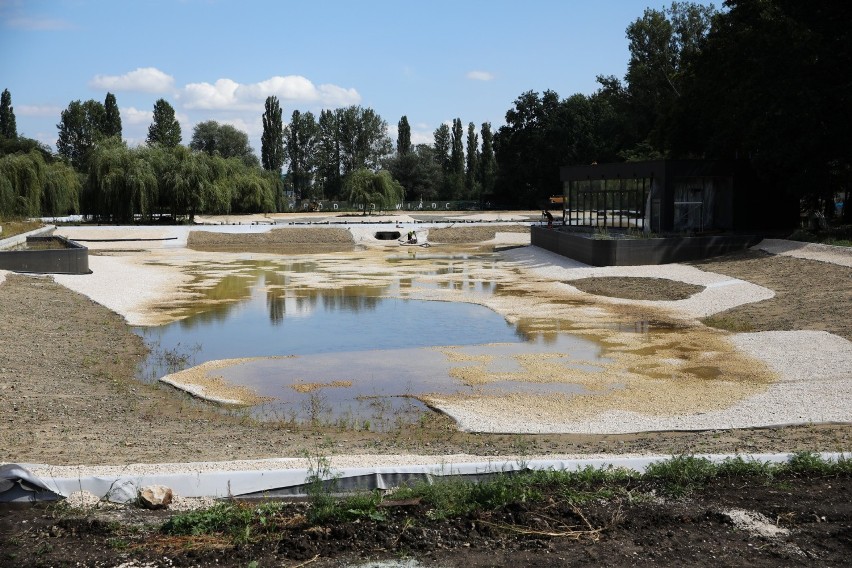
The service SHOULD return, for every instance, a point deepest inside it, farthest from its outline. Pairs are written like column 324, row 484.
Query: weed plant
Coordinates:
column 453, row 497
column 241, row 522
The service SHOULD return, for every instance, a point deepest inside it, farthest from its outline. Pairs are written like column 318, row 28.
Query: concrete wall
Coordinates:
column 634, row 252
column 73, row 259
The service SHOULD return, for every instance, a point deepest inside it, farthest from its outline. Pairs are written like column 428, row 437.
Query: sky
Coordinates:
column 430, row 60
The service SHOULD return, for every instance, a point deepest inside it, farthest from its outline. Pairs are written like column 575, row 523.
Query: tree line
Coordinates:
column 767, row 81
column 763, row 80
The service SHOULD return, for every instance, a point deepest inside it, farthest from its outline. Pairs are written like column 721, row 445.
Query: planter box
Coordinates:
column 634, row 252
column 71, row 258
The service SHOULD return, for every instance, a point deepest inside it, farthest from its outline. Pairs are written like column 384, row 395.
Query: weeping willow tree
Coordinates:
column 189, row 182
column 30, row 186
column 62, row 188
column 122, row 182
column 22, row 185
column 366, row 187
column 220, row 197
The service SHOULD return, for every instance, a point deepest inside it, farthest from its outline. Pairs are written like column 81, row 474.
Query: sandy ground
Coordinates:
column 793, row 372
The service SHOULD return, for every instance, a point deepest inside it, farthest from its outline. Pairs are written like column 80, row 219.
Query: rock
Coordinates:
column 155, row 497
column 83, row 500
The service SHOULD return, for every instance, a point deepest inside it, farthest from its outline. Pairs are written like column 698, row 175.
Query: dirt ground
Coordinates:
column 789, row 521
column 69, row 396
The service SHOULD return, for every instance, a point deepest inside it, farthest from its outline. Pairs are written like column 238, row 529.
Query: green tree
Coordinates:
column 403, row 141
column 767, row 86
column 417, row 172
column 122, row 182
column 662, row 44
column 80, row 128
column 21, row 184
column 253, row 191
column 328, row 155
column 471, row 182
column 272, row 141
column 61, row 190
column 301, row 137
column 24, row 145
column 364, row 142
column 529, row 168
column 442, row 147
column 455, row 185
column 366, row 187
column 8, row 128
column 443, row 141
column 188, row 180
column 32, row 186
column 224, row 140
column 165, row 129
column 112, row 117
column 205, row 137
column 487, row 163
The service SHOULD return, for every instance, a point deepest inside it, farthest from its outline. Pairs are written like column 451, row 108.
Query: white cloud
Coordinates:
column 226, row 94
column 422, row 137
column 132, row 115
column 143, row 79
column 221, row 95
column 479, row 75
column 37, row 110
column 420, row 134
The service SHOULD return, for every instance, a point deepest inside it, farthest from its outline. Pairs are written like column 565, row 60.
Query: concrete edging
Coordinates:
column 10, row 242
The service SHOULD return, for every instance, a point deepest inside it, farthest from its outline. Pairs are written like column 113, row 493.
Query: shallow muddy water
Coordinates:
column 359, row 352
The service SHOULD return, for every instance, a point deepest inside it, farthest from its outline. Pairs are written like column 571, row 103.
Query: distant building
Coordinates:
column 673, row 196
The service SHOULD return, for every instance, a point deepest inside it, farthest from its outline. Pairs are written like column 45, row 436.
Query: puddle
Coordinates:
column 362, row 352
column 380, row 387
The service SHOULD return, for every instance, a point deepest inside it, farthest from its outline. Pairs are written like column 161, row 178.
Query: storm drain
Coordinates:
column 387, row 235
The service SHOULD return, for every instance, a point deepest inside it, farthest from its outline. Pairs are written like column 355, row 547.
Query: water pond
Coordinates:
column 356, row 354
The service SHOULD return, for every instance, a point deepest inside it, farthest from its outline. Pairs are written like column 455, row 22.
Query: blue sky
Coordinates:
column 432, row 60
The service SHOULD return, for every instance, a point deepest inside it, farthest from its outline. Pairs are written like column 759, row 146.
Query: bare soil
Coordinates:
column 637, row 288
column 286, row 240
column 809, row 295
column 793, row 522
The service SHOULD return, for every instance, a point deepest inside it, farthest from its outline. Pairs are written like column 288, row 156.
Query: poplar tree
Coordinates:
column 442, row 147
column 300, row 149
column 328, row 159
column 112, row 117
column 471, row 183
column 8, row 128
column 403, row 141
column 456, row 179
column 487, row 163
column 272, row 140
column 165, row 129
